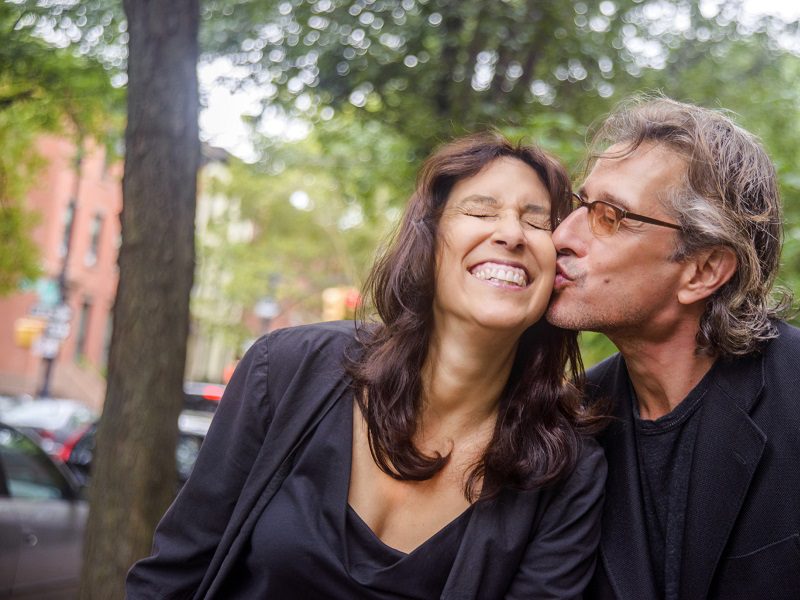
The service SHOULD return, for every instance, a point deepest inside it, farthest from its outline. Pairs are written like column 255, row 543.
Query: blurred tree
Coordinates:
column 151, row 314
column 319, row 207
column 42, row 89
column 431, row 68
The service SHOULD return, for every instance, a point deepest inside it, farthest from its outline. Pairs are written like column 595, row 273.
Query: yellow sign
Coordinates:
column 27, row 330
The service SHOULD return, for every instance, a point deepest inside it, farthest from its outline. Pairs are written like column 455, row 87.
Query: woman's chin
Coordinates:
column 506, row 325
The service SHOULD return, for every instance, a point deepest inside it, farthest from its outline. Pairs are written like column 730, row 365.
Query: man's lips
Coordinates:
column 563, row 278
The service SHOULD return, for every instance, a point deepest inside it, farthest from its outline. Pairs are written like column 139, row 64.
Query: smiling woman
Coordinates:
column 495, row 228
column 438, row 453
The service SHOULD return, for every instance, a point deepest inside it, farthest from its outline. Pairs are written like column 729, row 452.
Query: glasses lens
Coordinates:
column 604, row 218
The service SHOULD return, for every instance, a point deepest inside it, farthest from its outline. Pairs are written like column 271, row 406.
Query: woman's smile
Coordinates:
column 502, row 274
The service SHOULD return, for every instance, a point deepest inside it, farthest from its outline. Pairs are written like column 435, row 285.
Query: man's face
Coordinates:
column 623, row 284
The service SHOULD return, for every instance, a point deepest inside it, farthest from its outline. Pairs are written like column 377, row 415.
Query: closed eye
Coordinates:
column 542, row 225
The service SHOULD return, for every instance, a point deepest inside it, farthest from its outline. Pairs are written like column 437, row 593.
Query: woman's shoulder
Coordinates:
column 303, row 340
column 591, row 458
column 589, row 475
column 314, row 332
column 315, row 351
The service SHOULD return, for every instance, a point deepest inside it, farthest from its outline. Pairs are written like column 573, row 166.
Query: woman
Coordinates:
column 440, row 453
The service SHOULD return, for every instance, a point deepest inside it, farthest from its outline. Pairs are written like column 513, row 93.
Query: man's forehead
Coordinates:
column 629, row 150
column 624, row 172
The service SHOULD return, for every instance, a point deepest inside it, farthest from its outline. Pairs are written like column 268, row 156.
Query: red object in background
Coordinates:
column 352, row 299
column 227, row 372
column 69, row 445
column 212, row 391
column 202, row 396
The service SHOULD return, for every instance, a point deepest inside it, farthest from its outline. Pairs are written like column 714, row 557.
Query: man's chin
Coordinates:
column 558, row 314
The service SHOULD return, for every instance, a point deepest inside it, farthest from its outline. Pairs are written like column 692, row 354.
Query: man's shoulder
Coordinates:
column 788, row 336
column 781, row 357
column 781, row 353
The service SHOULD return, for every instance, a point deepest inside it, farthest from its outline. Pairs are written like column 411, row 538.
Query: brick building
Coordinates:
column 86, row 201
column 90, row 202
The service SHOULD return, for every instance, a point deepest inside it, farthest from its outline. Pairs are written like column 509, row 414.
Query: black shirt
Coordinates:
column 309, row 543
column 665, row 448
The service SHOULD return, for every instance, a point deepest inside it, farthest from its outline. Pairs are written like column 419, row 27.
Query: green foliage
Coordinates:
column 318, row 209
column 435, row 68
column 70, row 93
column 594, row 348
column 42, row 89
column 18, row 254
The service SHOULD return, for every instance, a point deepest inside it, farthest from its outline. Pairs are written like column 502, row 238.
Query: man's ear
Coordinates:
column 705, row 273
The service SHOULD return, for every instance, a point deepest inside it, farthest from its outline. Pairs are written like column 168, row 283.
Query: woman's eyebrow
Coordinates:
column 478, row 199
column 536, row 208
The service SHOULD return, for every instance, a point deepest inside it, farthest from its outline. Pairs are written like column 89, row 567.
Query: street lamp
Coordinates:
column 58, row 320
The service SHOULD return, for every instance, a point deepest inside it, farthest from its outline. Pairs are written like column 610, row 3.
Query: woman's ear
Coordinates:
column 706, row 272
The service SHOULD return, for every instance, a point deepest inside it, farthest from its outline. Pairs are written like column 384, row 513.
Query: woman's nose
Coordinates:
column 508, row 232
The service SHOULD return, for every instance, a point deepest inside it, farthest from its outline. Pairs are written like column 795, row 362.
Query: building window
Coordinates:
column 107, row 342
column 69, row 215
column 82, row 342
column 94, row 240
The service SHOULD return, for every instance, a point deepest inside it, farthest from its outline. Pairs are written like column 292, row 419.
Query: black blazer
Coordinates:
column 742, row 537
column 525, row 544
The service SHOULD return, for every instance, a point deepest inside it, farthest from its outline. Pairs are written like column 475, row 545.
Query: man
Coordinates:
column 672, row 251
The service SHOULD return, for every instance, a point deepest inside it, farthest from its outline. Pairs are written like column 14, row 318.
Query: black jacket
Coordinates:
column 534, row 544
column 742, row 532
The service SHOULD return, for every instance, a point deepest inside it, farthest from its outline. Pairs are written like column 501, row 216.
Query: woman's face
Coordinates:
column 495, row 260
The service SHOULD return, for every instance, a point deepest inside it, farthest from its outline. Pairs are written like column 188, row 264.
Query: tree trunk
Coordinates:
column 134, row 474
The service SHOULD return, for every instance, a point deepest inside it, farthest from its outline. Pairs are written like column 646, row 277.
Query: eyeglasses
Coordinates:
column 604, row 218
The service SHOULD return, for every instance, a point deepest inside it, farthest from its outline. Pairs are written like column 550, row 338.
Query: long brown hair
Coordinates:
column 536, row 438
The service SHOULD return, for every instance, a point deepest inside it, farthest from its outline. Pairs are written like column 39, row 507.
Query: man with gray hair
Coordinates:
column 672, row 252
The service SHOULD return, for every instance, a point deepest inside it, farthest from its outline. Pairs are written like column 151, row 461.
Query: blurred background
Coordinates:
column 314, row 115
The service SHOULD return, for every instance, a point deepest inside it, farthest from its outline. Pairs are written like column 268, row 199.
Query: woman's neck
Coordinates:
column 462, row 379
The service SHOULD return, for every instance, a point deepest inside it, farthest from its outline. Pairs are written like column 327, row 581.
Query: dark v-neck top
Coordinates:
column 309, row 543
column 665, row 450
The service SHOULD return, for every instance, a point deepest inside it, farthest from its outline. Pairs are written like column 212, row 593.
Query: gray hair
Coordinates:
column 728, row 197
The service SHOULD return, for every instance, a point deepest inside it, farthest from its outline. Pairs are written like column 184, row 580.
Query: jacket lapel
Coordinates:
column 623, row 546
column 728, row 449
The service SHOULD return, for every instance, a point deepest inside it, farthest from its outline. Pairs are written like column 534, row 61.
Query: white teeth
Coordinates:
column 503, row 274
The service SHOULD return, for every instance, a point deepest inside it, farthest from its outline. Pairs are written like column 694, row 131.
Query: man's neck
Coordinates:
column 663, row 374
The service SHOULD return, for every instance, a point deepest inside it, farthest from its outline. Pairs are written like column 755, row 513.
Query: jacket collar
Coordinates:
column 728, row 450
column 727, row 453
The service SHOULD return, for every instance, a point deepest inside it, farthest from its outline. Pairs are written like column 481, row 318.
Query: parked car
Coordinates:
column 202, row 396
column 42, row 521
column 9, row 402
column 52, row 420
column 78, row 453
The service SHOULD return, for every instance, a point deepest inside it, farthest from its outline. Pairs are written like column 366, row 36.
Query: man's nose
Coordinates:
column 571, row 233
